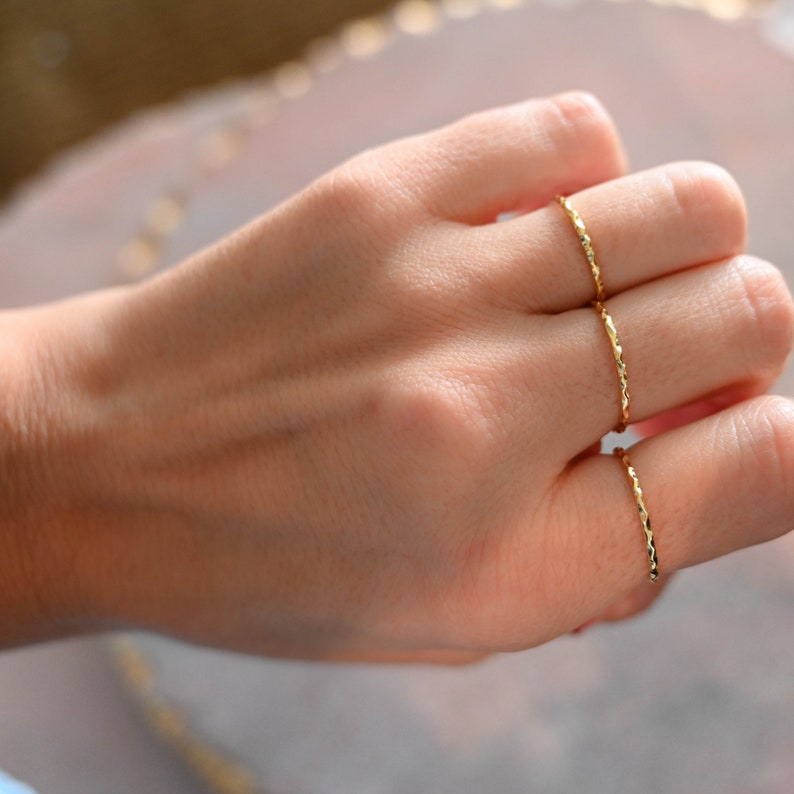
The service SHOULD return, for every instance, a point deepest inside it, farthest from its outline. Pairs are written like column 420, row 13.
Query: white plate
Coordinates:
column 698, row 696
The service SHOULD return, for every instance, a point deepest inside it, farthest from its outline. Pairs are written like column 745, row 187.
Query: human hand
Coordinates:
column 364, row 426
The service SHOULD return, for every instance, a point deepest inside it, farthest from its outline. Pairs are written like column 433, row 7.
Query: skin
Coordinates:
column 365, row 426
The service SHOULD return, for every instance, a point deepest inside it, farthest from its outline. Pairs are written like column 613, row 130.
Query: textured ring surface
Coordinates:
column 620, row 365
column 645, row 519
column 587, row 244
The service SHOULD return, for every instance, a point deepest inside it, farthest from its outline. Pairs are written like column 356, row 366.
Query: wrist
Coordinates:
column 45, row 520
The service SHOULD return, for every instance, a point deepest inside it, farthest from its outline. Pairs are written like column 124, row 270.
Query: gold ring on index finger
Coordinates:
column 586, row 243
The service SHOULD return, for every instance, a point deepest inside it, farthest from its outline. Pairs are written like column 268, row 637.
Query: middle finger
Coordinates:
column 684, row 338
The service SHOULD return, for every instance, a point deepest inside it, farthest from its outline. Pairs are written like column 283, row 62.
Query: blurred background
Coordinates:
column 70, row 67
column 133, row 132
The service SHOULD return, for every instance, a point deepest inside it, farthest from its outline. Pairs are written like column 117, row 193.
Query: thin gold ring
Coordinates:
column 586, row 242
column 645, row 519
column 620, row 365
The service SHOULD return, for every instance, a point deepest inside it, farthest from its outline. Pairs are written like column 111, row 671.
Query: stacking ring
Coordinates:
column 645, row 520
column 620, row 365
column 587, row 245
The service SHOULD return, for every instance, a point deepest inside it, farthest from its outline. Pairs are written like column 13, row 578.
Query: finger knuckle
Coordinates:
column 581, row 110
column 366, row 199
column 768, row 311
column 350, row 189
column 443, row 415
column 579, row 122
column 709, row 199
column 765, row 428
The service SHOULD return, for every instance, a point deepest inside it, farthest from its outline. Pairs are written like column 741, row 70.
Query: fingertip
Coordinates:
column 766, row 426
column 722, row 483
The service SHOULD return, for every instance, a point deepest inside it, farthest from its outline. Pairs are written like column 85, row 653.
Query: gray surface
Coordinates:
column 68, row 727
column 696, row 697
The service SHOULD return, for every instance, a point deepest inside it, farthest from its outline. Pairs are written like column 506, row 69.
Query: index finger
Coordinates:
column 508, row 159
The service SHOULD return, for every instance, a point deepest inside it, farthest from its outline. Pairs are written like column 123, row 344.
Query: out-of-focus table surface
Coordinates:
column 698, row 696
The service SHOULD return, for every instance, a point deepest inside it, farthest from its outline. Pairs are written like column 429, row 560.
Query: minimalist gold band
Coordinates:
column 587, row 245
column 645, row 519
column 620, row 365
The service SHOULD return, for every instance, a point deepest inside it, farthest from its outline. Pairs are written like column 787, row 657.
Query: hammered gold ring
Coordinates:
column 645, row 520
column 586, row 243
column 620, row 364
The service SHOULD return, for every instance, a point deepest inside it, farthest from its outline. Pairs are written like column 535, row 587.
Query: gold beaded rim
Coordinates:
column 645, row 519
column 620, row 364
column 586, row 242
column 172, row 725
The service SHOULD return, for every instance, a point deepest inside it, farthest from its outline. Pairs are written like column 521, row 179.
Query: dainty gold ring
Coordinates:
column 645, row 520
column 620, row 365
column 586, row 242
